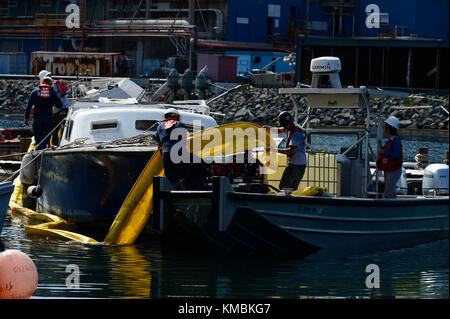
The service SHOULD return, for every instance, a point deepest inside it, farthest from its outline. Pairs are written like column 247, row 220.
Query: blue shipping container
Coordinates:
column 13, row 63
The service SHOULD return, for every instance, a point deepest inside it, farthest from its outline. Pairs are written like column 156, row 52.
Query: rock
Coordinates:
column 241, row 113
column 405, row 123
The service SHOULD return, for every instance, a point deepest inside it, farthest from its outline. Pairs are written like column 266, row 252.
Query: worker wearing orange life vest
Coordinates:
column 390, row 157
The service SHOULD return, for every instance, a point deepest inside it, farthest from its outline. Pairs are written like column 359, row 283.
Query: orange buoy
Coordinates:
column 18, row 275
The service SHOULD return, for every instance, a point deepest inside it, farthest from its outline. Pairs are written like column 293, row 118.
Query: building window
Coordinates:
column 384, row 18
column 274, row 10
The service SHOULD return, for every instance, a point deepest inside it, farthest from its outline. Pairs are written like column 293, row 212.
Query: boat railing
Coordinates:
column 322, row 170
column 348, row 98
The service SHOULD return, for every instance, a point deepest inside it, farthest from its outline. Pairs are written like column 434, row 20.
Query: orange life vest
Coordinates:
column 388, row 164
column 45, row 90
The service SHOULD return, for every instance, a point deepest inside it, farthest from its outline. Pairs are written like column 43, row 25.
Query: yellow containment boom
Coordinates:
column 137, row 207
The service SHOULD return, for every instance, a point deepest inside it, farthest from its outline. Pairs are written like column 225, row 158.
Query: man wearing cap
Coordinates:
column 171, row 120
column 390, row 156
column 60, row 87
column 295, row 151
column 190, row 172
column 43, row 99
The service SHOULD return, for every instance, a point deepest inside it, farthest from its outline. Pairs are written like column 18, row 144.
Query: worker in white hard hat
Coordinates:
column 41, row 101
column 390, row 156
column 43, row 74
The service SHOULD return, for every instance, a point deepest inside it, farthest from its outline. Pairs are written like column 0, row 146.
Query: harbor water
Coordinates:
column 147, row 270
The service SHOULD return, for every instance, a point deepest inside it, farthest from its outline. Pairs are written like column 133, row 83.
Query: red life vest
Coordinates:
column 388, row 164
column 45, row 90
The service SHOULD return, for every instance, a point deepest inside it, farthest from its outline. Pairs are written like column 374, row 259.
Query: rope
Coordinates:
column 36, row 146
column 13, row 174
column 42, row 152
column 51, row 132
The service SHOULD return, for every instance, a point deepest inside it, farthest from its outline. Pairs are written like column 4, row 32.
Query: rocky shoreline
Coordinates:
column 263, row 106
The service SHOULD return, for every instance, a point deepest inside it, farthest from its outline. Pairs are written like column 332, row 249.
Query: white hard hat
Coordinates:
column 393, row 121
column 43, row 74
column 172, row 111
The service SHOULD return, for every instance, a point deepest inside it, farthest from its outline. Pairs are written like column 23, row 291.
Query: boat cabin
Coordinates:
column 103, row 122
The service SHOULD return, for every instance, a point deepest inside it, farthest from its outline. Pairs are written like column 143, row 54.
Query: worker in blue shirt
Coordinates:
column 390, row 156
column 295, row 151
column 43, row 99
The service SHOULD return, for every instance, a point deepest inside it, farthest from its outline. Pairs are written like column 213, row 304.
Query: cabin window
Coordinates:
column 146, row 125
column 69, row 125
column 103, row 125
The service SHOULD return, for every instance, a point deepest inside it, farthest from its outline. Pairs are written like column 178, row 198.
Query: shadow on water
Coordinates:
column 149, row 270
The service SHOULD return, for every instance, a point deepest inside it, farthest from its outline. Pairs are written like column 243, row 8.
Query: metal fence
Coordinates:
column 322, row 171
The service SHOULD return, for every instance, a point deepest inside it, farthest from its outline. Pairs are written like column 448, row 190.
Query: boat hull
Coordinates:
column 6, row 189
column 89, row 184
column 313, row 227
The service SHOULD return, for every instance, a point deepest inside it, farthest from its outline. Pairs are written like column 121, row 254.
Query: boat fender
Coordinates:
column 18, row 275
column 34, row 191
column 27, row 169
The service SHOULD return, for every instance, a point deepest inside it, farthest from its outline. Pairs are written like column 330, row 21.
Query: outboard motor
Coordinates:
column 187, row 83
column 435, row 180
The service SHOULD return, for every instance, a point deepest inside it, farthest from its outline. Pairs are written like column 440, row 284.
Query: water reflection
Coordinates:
column 146, row 270
column 129, row 274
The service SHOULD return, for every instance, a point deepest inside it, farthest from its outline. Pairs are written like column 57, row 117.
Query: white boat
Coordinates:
column 104, row 147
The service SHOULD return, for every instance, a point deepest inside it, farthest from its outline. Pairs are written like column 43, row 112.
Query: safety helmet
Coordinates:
column 172, row 114
column 393, row 121
column 284, row 118
column 43, row 74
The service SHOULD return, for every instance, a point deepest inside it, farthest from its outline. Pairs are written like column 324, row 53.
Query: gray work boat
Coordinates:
column 353, row 220
column 314, row 227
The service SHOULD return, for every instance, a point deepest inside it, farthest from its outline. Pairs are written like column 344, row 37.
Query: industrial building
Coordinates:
column 402, row 43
